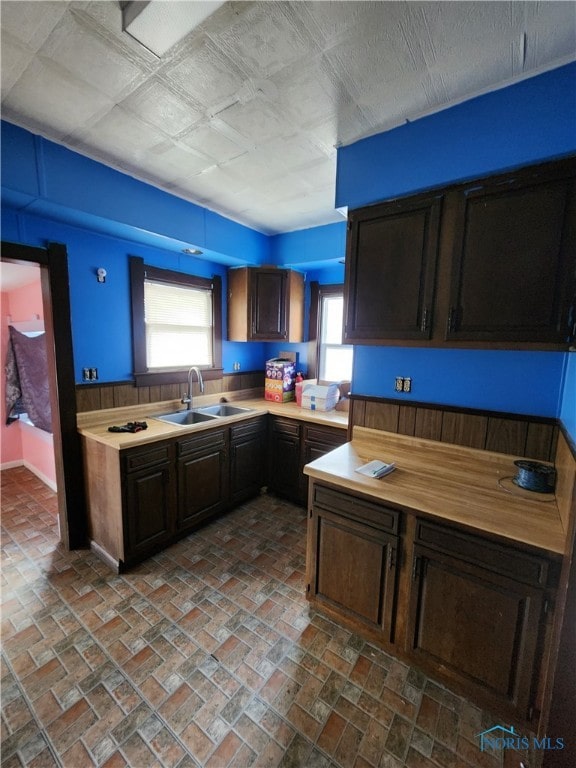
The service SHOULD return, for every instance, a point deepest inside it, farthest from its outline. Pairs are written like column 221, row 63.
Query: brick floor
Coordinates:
column 206, row 655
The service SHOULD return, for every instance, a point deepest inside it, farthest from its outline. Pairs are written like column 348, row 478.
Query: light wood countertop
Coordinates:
column 453, row 483
column 94, row 424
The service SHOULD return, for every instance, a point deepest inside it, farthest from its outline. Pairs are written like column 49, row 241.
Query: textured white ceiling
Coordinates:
column 243, row 116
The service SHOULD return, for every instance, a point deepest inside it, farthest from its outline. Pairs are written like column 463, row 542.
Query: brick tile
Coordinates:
column 225, row 752
column 347, row 748
column 197, row 742
column 331, row 733
column 215, row 635
column 399, row 737
column 428, row 714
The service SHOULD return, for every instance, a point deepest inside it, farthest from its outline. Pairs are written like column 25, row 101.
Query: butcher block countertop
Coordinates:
column 453, row 483
column 94, row 424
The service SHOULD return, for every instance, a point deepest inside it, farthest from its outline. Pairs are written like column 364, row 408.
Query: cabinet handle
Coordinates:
column 453, row 319
column 424, row 323
column 416, row 567
column 391, row 557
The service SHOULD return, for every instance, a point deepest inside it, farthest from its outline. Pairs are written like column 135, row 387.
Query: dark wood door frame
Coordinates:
column 53, row 261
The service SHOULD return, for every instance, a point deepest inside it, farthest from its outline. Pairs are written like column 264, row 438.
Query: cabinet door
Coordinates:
column 353, row 569
column 479, row 627
column 284, row 459
column 247, row 451
column 268, row 304
column 149, row 510
column 390, row 271
column 202, row 478
column 513, row 261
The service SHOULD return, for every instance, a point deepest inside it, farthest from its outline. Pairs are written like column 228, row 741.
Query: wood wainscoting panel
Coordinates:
column 533, row 437
column 464, row 429
column 506, row 436
column 428, row 423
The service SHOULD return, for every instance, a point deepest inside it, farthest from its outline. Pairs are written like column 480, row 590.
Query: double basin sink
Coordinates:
column 201, row 415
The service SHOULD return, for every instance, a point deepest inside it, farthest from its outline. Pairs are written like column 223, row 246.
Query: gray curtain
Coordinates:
column 27, row 388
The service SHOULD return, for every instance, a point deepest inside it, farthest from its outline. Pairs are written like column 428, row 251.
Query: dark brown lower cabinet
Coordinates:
column 202, row 477
column 247, row 459
column 353, row 555
column 468, row 610
column 479, row 626
column 284, row 458
column 293, row 444
column 317, row 441
column 149, row 489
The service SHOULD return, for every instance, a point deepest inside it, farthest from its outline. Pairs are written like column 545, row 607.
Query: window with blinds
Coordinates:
column 335, row 358
column 178, row 325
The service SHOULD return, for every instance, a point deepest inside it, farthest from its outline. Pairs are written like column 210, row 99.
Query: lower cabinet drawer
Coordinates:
column 506, row 560
column 379, row 515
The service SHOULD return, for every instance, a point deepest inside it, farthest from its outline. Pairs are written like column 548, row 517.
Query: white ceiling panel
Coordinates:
column 49, row 96
column 210, row 141
column 156, row 104
column 244, row 114
column 15, row 58
column 88, row 56
column 29, row 23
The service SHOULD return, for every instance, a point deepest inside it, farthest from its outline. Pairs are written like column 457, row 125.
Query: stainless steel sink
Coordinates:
column 185, row 418
column 222, row 409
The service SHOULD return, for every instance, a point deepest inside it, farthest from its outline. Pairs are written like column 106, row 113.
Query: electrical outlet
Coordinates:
column 85, row 374
column 403, row 384
column 236, row 366
column 93, row 374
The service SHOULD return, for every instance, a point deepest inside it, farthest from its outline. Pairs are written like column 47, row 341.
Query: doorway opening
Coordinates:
column 52, row 263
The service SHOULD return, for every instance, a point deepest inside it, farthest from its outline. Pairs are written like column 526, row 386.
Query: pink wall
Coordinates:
column 11, row 441
column 23, row 443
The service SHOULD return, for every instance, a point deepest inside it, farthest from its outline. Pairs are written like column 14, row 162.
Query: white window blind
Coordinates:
column 178, row 321
column 335, row 357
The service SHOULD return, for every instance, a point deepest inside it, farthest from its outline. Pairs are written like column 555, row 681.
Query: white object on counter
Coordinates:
column 376, row 468
column 316, row 397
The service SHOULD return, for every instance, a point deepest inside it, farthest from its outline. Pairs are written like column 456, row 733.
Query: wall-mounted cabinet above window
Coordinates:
column 489, row 263
column 265, row 304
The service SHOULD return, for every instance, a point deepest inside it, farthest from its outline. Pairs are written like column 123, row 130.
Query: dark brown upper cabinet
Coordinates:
column 489, row 263
column 391, row 260
column 265, row 304
column 512, row 271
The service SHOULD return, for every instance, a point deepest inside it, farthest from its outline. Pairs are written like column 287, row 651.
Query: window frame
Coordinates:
column 143, row 377
column 317, row 294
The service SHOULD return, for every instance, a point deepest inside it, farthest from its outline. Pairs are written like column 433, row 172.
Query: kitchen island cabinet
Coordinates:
column 354, row 562
column 477, row 612
column 439, row 564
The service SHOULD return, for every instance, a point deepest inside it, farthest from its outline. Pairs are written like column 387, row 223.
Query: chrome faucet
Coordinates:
column 187, row 399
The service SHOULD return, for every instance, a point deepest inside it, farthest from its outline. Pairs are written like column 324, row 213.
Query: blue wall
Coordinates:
column 517, row 382
column 531, row 121
column 101, row 318
column 568, row 405
column 52, row 181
